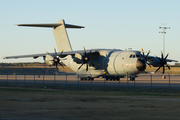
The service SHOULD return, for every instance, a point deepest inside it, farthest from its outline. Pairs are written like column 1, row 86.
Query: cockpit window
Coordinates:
column 132, row 56
column 135, row 56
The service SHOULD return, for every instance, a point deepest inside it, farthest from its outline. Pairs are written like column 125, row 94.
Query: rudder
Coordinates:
column 61, row 37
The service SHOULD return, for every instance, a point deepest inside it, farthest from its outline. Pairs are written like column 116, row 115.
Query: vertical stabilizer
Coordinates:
column 60, row 33
column 61, row 37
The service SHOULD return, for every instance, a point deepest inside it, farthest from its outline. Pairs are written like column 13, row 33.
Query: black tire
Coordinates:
column 107, row 78
column 114, row 78
column 117, row 78
column 132, row 78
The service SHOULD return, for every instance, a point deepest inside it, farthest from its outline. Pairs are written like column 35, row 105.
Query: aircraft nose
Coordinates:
column 141, row 64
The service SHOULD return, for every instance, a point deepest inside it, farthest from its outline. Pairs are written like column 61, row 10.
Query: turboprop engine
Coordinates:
column 49, row 60
column 53, row 59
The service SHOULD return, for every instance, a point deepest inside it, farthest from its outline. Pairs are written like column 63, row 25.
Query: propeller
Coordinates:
column 163, row 62
column 146, row 56
column 56, row 59
column 85, row 59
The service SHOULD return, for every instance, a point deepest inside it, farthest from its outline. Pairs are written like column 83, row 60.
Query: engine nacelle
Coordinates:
column 49, row 60
column 155, row 62
column 78, row 58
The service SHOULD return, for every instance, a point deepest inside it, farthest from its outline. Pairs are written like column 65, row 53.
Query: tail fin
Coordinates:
column 60, row 33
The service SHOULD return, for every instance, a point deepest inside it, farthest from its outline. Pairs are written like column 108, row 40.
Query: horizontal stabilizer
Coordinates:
column 54, row 25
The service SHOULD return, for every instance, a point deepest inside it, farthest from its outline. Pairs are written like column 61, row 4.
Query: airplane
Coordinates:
column 111, row 64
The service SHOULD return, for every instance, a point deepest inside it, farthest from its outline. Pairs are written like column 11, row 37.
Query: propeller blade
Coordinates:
column 55, row 51
column 50, row 54
column 56, row 59
column 162, row 57
column 61, row 64
column 56, row 65
column 158, row 68
column 168, row 67
column 158, row 58
column 148, row 54
column 61, row 53
column 84, row 50
column 85, row 58
column 148, row 64
column 82, row 55
column 80, row 66
column 86, row 67
column 92, row 63
column 142, row 51
column 166, row 56
column 163, row 62
column 163, row 69
column 89, row 52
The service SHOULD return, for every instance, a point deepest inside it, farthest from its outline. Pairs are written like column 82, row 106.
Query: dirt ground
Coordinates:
column 21, row 103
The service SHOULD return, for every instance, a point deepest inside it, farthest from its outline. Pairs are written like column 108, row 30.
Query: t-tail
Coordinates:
column 60, row 33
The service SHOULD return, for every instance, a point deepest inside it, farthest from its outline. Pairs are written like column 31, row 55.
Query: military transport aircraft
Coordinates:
column 89, row 64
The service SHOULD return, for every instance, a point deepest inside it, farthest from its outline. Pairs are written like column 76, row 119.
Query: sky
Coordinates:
column 110, row 24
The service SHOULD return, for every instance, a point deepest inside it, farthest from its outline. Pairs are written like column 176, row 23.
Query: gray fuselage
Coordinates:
column 112, row 62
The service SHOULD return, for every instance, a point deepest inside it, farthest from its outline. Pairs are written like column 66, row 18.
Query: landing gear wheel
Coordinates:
column 107, row 78
column 117, row 78
column 132, row 78
column 114, row 78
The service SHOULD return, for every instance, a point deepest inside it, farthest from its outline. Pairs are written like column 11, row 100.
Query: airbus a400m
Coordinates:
column 89, row 64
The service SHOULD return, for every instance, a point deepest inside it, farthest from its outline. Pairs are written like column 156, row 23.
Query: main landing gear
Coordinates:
column 88, row 78
column 114, row 78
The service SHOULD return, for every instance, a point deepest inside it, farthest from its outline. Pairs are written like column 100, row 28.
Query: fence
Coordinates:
column 71, row 81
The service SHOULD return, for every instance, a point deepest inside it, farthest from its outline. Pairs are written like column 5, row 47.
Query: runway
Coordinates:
column 143, row 80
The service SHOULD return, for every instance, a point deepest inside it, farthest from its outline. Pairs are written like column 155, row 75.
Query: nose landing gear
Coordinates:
column 132, row 78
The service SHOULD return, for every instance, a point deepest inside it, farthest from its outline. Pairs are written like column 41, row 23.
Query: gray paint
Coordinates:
column 61, row 37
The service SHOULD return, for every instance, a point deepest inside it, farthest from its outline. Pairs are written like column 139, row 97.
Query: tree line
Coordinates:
column 22, row 64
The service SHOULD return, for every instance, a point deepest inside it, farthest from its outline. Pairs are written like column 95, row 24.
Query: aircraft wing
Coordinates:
column 154, row 57
column 58, row 53
column 169, row 60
